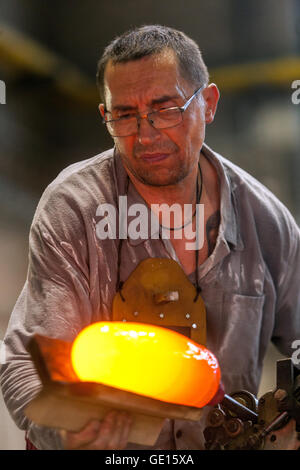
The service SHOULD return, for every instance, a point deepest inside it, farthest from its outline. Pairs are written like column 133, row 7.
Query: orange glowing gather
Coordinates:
column 148, row 360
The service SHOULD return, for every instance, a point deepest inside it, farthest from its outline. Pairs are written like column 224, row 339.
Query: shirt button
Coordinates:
column 179, row 434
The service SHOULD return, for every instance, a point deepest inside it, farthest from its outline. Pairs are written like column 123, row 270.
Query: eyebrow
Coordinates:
column 161, row 99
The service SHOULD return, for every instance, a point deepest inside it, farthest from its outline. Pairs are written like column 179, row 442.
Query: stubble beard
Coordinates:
column 155, row 176
column 158, row 178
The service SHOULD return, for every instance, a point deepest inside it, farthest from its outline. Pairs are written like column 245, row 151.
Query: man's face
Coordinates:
column 156, row 157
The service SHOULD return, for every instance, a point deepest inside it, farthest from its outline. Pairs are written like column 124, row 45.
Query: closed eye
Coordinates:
column 126, row 116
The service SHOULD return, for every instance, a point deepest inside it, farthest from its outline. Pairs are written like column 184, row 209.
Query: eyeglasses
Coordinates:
column 162, row 119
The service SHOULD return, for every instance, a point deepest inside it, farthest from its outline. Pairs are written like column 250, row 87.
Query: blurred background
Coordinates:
column 48, row 56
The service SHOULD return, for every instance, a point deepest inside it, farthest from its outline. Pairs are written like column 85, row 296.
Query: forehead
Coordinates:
column 143, row 80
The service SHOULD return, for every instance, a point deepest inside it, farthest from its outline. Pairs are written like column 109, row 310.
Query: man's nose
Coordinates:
column 146, row 132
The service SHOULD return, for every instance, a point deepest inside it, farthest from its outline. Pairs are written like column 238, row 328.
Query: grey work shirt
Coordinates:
column 250, row 283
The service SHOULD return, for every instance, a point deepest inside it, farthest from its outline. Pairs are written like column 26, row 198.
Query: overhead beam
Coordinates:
column 281, row 71
column 24, row 54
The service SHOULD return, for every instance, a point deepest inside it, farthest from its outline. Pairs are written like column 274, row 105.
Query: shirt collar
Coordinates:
column 228, row 229
column 228, row 210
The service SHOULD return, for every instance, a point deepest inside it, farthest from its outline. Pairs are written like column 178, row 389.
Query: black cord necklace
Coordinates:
column 119, row 283
column 198, row 199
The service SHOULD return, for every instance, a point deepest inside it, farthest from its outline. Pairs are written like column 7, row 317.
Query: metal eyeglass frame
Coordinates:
column 138, row 116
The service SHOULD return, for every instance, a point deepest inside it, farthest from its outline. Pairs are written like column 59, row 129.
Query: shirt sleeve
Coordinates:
column 54, row 302
column 287, row 317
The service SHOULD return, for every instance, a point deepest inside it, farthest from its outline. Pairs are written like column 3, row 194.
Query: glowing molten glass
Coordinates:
column 148, row 360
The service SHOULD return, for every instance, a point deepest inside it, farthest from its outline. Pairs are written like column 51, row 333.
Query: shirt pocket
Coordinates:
column 239, row 344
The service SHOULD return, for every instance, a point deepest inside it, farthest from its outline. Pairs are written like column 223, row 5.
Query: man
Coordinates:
column 156, row 102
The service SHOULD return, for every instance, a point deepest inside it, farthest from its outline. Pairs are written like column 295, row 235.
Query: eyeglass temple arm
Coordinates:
column 183, row 108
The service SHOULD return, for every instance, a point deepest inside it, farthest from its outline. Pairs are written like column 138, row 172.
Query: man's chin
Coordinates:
column 159, row 178
column 156, row 175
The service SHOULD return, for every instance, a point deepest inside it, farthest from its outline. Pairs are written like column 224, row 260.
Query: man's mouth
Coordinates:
column 154, row 157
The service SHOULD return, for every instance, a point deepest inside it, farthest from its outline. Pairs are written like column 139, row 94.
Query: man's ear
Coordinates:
column 211, row 95
column 101, row 108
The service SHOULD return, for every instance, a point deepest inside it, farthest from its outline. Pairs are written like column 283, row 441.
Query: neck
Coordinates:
column 174, row 196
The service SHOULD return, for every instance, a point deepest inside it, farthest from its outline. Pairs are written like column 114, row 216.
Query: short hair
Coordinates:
column 153, row 39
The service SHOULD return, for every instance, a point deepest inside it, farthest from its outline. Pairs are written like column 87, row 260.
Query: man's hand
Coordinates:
column 109, row 434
